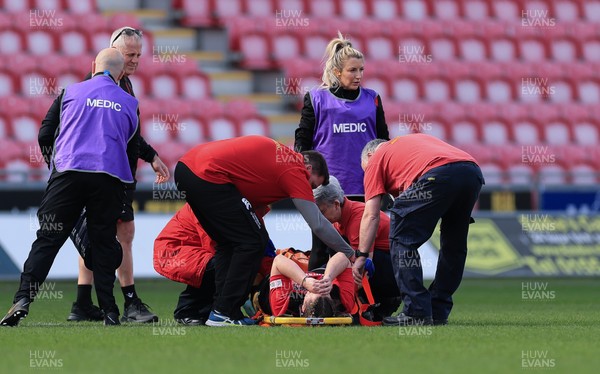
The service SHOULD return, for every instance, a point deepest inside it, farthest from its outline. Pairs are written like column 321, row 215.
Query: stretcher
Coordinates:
column 307, row 321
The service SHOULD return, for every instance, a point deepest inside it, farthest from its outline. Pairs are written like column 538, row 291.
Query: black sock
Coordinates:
column 84, row 294
column 129, row 294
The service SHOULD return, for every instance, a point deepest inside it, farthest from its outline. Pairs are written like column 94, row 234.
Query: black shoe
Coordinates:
column 191, row 321
column 16, row 313
column 440, row 322
column 404, row 320
column 138, row 312
column 85, row 313
column 111, row 319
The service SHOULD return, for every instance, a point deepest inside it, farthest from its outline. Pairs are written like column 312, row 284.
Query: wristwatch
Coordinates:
column 358, row 254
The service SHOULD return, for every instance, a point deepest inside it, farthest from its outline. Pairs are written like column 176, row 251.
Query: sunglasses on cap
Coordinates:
column 127, row 31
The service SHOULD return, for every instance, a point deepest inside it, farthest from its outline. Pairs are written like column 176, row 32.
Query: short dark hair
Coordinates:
column 324, row 306
column 318, row 163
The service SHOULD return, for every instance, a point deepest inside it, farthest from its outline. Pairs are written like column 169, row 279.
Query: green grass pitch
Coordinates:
column 495, row 328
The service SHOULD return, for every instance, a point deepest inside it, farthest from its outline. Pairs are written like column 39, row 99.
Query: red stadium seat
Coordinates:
column 86, row 7
column 584, row 174
column 532, row 49
column 123, row 19
column 475, row 9
column 286, row 45
column 557, row 132
column 46, row 4
column 194, row 12
column 436, row 126
column 591, row 11
column 406, row 87
column 495, row 131
column 442, row 47
column 193, row 132
column 39, row 106
column 445, row 9
column 492, row 173
column 385, row 9
column 9, row 83
column 499, row 89
column 249, row 121
column 377, row 82
column 11, row 6
column 415, row 9
column 591, row 49
column 11, row 41
column 255, row 50
column 5, row 127
column 508, row 10
column 503, row 49
column 465, row 131
column 565, row 49
column 296, row 7
column 586, row 132
column 379, row 46
column 354, row 9
column 437, row 88
column 164, row 85
column 226, row 8
column 254, row 125
column 526, row 132
column 222, row 128
column 25, row 127
column 314, row 44
column 520, row 174
column 323, row 8
column 17, row 170
column 42, row 42
column 196, row 86
column 157, row 127
column 566, row 10
column 468, row 85
column 260, row 8
column 552, row 174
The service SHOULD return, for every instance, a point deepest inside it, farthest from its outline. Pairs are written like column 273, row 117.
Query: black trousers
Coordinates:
column 241, row 237
column 449, row 193
column 197, row 302
column 66, row 195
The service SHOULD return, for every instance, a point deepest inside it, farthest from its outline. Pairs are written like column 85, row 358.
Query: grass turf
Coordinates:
column 492, row 329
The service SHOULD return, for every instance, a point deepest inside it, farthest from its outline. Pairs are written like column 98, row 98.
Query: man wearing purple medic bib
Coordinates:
column 89, row 166
column 340, row 117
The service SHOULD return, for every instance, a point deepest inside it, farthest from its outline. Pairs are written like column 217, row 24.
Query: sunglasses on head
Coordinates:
column 127, row 31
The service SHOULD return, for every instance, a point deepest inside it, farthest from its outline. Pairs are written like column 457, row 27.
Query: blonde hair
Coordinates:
column 337, row 52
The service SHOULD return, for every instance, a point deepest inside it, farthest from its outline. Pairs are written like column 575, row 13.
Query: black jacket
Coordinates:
column 305, row 131
column 137, row 147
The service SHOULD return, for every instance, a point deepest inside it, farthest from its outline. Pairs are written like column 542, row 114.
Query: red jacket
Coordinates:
column 182, row 249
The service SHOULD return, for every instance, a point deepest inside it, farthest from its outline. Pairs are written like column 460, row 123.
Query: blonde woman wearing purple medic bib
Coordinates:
column 339, row 117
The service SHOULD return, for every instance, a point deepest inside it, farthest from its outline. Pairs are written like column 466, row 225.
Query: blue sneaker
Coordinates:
column 217, row 319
